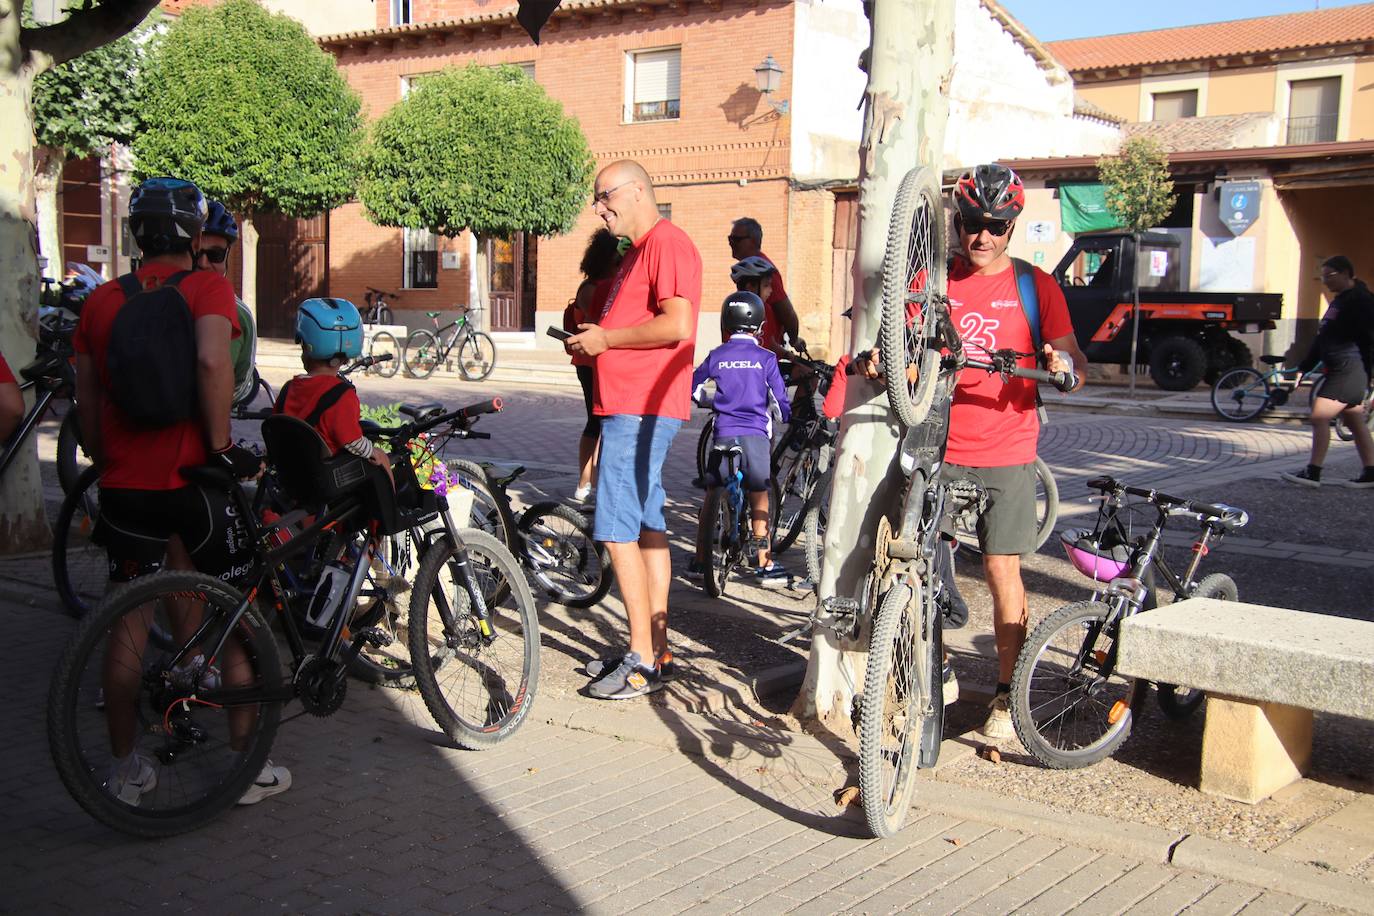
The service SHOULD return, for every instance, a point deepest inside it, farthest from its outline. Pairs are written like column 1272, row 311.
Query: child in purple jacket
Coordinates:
column 749, row 388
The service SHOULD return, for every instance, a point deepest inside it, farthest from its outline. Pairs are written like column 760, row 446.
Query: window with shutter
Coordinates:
column 1171, row 106
column 654, row 85
column 1313, row 110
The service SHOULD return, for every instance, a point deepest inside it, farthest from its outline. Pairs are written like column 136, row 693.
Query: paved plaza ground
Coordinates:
column 707, row 799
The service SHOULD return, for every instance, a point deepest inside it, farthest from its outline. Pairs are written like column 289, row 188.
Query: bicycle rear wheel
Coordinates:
column 708, row 432
column 119, row 674
column 1046, row 510
column 476, row 356
column 724, row 550
column 478, row 687
column 80, row 569
column 564, row 560
column 794, row 487
column 1181, row 702
column 913, row 284
column 1240, row 395
column 1344, row 432
column 384, row 344
column 72, row 459
column 490, row 510
column 421, row 354
column 898, row 685
column 1070, row 707
column 383, row 605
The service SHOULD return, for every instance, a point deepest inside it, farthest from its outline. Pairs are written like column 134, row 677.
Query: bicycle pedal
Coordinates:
column 375, row 637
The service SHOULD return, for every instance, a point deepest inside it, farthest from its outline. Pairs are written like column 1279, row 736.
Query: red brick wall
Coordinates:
column 726, row 131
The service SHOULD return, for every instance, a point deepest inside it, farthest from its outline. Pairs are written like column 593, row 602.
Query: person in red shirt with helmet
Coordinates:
column 993, row 424
column 746, row 241
column 643, row 343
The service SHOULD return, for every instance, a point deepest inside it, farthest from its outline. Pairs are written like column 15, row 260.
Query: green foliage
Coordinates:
column 91, row 101
column 245, row 104
column 1139, row 191
column 480, row 148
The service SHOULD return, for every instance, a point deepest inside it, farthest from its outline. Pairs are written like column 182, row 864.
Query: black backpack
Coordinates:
column 151, row 356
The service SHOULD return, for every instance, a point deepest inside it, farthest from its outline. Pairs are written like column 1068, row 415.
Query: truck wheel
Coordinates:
column 1177, row 363
column 1241, row 357
column 1225, row 353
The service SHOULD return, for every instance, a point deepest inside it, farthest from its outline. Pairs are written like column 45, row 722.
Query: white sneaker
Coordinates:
column 999, row 727
column 951, row 685
column 131, row 779
column 271, row 781
column 583, row 494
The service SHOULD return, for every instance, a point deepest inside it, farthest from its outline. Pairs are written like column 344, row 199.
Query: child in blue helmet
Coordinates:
column 330, row 332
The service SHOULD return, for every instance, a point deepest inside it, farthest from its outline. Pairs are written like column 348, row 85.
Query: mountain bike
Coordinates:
column 52, row 377
column 731, row 535
column 183, row 667
column 375, row 308
column 426, row 349
column 1243, row 393
column 552, row 541
column 801, row 457
column 1070, row 706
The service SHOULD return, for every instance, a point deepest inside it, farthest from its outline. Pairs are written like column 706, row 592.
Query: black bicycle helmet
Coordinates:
column 165, row 214
column 741, row 313
column 219, row 221
column 990, row 191
column 751, row 268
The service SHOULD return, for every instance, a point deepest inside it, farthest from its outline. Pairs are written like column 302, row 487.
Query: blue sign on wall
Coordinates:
column 1239, row 205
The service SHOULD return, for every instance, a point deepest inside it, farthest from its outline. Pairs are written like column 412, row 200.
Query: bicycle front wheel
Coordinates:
column 478, row 678
column 897, row 705
column 476, row 356
column 572, row 568
column 421, row 354
column 490, row 510
column 1070, row 707
column 913, row 284
column 794, row 488
column 381, row 606
column 80, row 569
column 384, row 345
column 1240, row 395
column 194, row 735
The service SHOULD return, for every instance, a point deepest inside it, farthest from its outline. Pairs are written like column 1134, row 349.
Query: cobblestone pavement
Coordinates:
column 383, row 816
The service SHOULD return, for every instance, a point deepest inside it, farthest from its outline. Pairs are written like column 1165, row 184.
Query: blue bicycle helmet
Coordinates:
column 219, row 221
column 329, row 329
column 169, row 208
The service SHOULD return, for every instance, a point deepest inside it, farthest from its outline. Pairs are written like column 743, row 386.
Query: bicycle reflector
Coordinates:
column 1118, row 712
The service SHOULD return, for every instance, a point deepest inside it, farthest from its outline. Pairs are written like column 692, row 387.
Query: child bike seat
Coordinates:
column 304, row 466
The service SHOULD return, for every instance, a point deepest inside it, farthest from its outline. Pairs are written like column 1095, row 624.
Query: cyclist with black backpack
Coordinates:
column 154, row 382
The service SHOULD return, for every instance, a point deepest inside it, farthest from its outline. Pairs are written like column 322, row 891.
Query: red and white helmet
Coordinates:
column 989, row 191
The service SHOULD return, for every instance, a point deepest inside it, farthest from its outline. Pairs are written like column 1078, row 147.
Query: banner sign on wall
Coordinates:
column 1083, row 208
column 1239, row 204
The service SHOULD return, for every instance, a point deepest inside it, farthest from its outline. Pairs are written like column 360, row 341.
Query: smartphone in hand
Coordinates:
column 558, row 333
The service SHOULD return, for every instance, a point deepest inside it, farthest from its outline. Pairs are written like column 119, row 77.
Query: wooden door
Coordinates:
column 843, row 250
column 511, row 273
column 293, row 265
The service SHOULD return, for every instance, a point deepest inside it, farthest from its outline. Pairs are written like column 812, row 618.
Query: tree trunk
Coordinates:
column 482, row 283
column 910, row 59
column 248, row 239
column 23, row 525
column 47, row 180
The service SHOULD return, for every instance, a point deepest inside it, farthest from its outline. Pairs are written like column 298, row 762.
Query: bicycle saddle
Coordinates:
column 422, row 412
column 434, row 314
column 506, row 479
column 1271, row 360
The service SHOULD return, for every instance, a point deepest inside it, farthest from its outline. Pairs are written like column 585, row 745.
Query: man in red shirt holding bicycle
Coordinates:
column 643, row 343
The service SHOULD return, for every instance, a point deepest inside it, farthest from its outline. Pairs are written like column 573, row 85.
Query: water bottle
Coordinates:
column 328, row 593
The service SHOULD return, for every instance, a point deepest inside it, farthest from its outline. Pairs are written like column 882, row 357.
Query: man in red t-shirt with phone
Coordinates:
column 993, row 423
column 644, row 343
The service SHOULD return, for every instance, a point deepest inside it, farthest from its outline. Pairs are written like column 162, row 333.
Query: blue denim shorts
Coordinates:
column 629, row 476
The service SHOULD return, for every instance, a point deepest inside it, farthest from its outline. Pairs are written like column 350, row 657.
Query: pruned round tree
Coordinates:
column 245, row 104
column 478, row 148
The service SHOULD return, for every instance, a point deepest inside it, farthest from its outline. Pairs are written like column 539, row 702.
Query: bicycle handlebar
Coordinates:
column 1219, row 511
column 1064, row 381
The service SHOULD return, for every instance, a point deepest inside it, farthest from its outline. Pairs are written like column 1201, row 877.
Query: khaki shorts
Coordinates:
column 1009, row 524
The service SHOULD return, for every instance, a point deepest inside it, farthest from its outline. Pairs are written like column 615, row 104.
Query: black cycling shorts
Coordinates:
column 135, row 526
column 756, row 463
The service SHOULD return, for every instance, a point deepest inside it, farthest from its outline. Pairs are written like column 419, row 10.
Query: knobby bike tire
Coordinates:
column 384, row 342
column 199, row 775
column 708, row 432
column 384, row 316
column 724, row 550
column 71, row 452
column 565, row 561
column 794, row 486
column 813, row 526
column 80, row 569
column 491, row 510
column 890, row 720
column 476, row 356
column 421, row 354
column 1181, row 702
column 1240, row 394
column 915, row 254
column 447, row 651
column 1045, row 669
column 1046, row 510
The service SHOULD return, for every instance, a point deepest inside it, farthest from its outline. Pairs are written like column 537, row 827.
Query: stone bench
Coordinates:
column 1265, row 670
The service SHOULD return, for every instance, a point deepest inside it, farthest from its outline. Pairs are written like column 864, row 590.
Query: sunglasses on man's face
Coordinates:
column 997, row 227
column 213, row 255
column 732, row 239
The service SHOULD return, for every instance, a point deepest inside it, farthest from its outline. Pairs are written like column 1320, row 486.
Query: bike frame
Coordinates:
column 49, row 391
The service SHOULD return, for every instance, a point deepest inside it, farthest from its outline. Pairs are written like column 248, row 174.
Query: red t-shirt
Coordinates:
column 664, row 264
column 6, row 376
column 833, row 405
column 338, row 425
column 771, row 336
column 993, row 423
column 137, row 458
